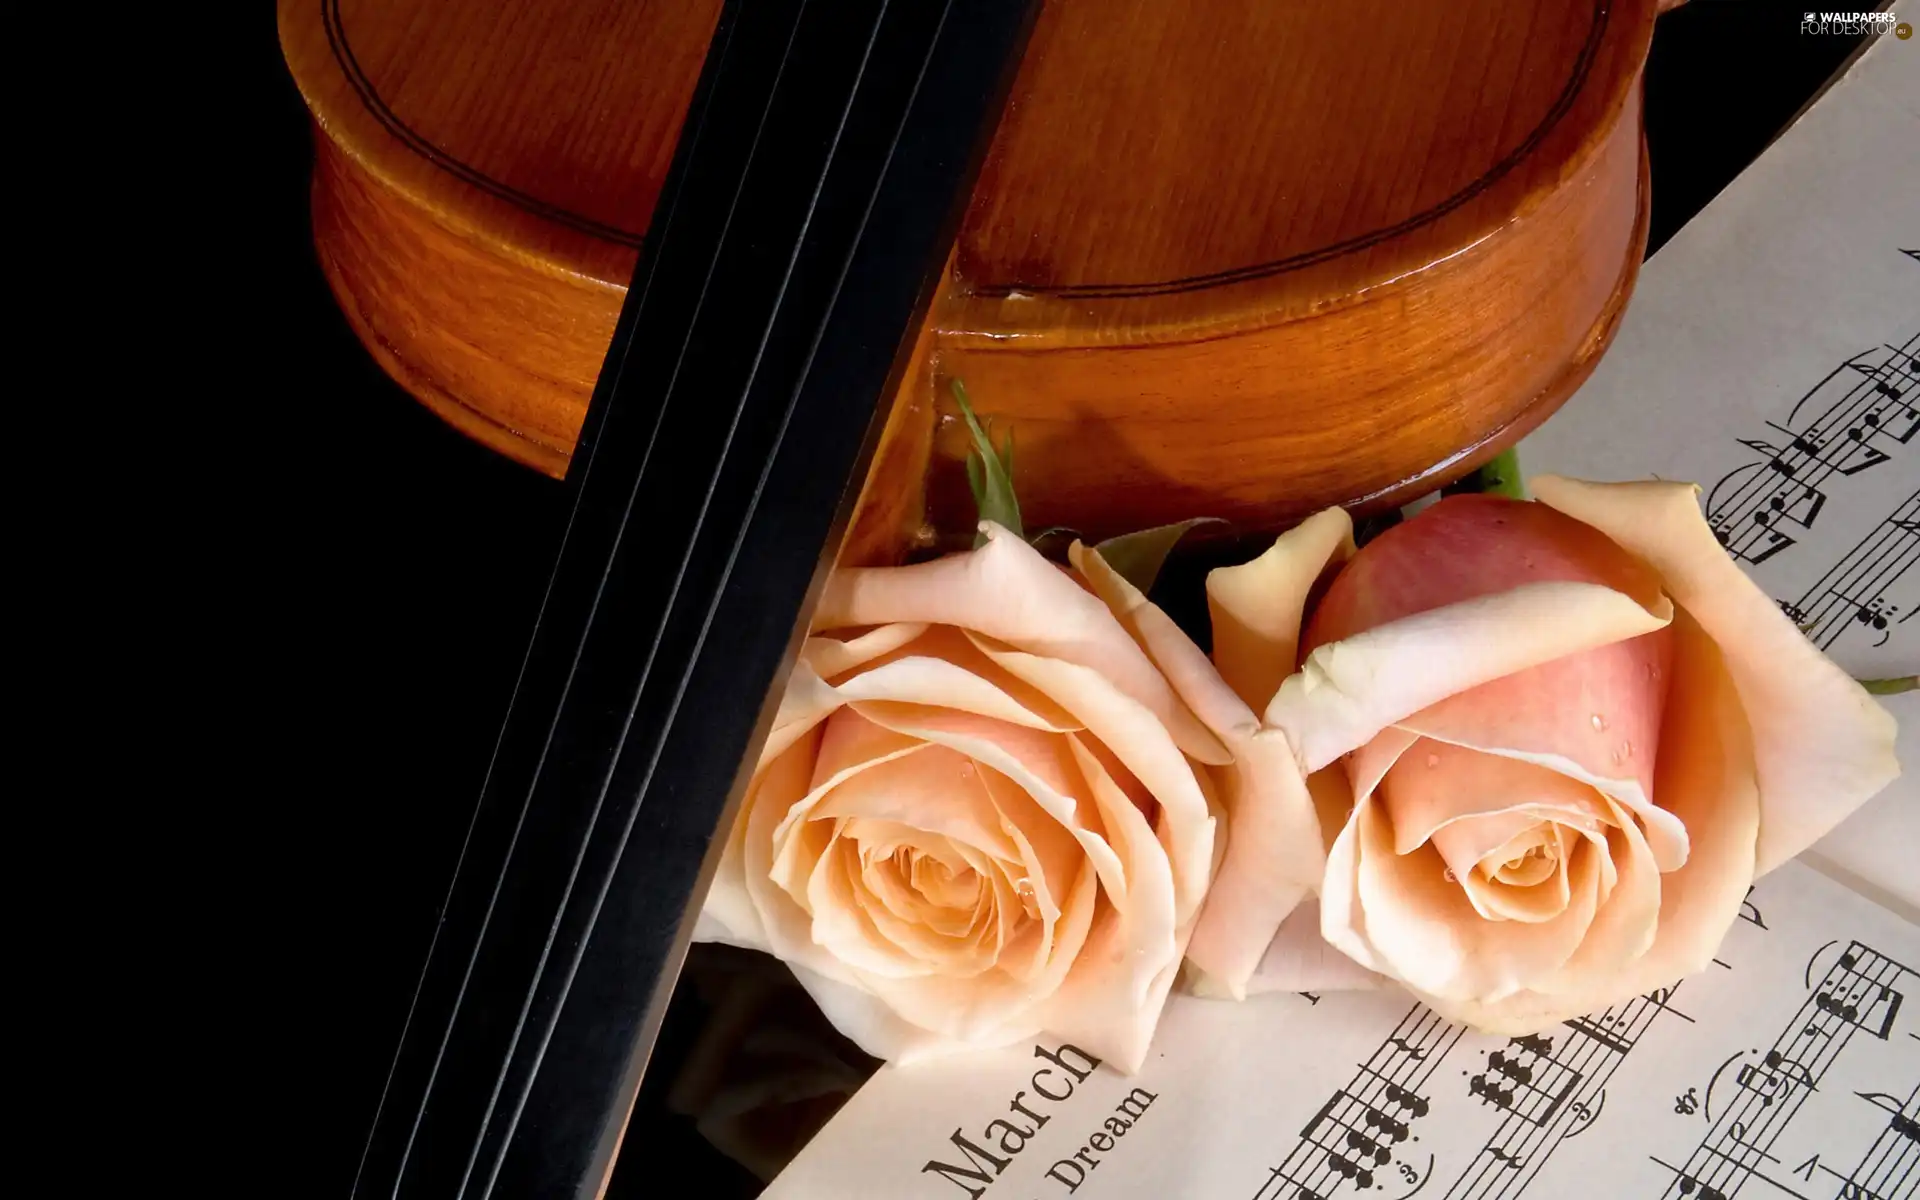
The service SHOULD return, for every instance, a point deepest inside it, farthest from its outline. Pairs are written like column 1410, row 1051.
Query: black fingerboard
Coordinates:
column 826, row 157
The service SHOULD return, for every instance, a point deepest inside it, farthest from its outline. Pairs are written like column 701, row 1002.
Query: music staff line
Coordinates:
column 1873, row 416
column 1519, row 1148
column 1854, row 593
column 1856, row 994
column 1886, row 1168
column 1358, row 1134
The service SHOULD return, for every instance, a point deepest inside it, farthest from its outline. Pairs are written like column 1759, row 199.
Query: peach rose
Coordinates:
column 1565, row 737
column 986, row 809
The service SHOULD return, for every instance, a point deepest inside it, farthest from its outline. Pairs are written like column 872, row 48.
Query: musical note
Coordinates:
column 1412, row 1051
column 1850, row 422
column 1690, row 1186
column 1533, row 1043
column 1856, row 595
column 1512, row 1162
column 1849, row 999
column 1351, row 1170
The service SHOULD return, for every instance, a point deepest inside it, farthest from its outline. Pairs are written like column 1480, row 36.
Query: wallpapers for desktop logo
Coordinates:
column 1854, row 24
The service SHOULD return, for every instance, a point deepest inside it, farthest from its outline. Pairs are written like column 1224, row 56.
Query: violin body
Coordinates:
column 1227, row 258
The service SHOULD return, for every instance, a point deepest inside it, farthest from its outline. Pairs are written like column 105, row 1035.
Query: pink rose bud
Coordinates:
column 1565, row 737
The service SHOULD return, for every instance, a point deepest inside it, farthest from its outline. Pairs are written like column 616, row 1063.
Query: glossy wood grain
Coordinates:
column 1226, row 257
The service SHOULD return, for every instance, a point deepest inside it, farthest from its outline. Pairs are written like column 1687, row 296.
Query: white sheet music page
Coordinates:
column 1790, row 1068
column 1768, row 354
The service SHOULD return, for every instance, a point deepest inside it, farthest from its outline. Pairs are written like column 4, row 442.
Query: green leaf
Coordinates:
column 989, row 472
column 1138, row 557
column 1500, row 477
column 1893, row 686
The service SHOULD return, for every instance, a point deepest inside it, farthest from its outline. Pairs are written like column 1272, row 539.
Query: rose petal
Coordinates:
column 1101, row 1008
column 1147, row 912
column 1821, row 745
column 1599, row 708
column 1274, row 859
column 1006, row 591
column 1349, row 690
column 1424, row 931
column 1300, row 960
column 1464, row 547
column 1707, row 777
column 995, row 1009
column 829, row 656
column 1624, row 925
column 1438, row 783
column 1256, row 607
column 1142, row 744
column 938, row 684
column 868, row 1020
column 1368, row 765
column 933, row 788
column 1272, row 844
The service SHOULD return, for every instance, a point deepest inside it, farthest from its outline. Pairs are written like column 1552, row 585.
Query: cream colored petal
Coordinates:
column 1274, row 858
column 1007, row 592
column 777, row 787
column 1537, row 889
column 934, row 788
column 868, row 1021
column 1821, row 745
column 1626, row 923
column 937, row 683
column 831, row 656
column 1467, row 841
column 1300, row 960
column 1343, row 918
column 1099, row 1007
column 1138, row 739
column 1256, row 607
column 1148, row 916
column 1272, row 853
column 1438, row 783
column 806, row 701
column 1194, row 679
column 995, row 1009
column 847, row 745
column 1368, row 765
column 1040, row 765
column 1348, row 691
column 1666, row 833
column 843, row 924
column 1421, row 926
column 1706, row 775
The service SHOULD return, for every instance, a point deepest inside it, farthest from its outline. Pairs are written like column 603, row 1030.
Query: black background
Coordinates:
column 378, row 637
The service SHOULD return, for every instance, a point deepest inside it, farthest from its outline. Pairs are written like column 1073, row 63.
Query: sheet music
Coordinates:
column 1790, row 1068
column 1769, row 355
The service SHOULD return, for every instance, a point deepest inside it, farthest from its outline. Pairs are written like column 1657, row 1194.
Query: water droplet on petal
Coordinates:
column 1433, row 760
column 1024, row 887
column 1653, row 672
column 1623, row 752
column 1599, row 722
column 1449, row 876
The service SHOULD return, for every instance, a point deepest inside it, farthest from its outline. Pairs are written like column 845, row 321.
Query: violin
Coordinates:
column 1224, row 258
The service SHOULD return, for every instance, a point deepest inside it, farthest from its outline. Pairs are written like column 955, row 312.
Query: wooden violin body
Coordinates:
column 1229, row 258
